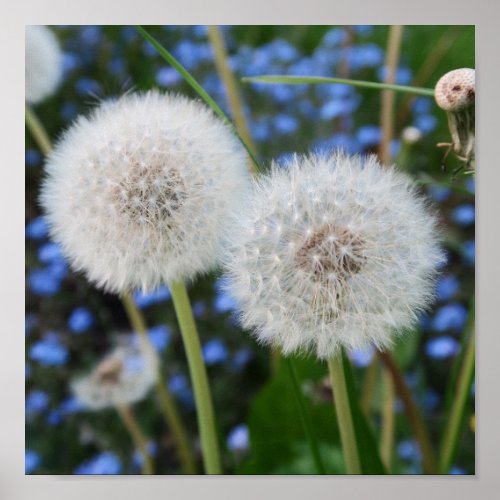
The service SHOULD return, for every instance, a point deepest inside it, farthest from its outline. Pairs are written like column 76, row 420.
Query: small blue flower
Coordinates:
column 223, row 302
column 117, row 66
column 439, row 193
column 71, row 62
column 43, row 282
column 285, row 124
column 157, row 296
column 179, row 386
column 31, row 461
column 70, row 406
column 282, row 51
column 30, row 321
column 442, row 347
column 469, row 252
column 408, row 450
column 241, row 359
column 431, row 400
column 447, row 287
column 215, row 351
column 369, row 135
column 364, row 29
column 334, row 37
column 91, row 34
column 238, row 438
column 37, row 229
column 49, row 351
column 450, row 317
column 457, row 471
column 422, row 105
column 32, row 158
column 36, row 402
column 464, row 215
column 87, row 86
column 69, row 110
column 168, row 77
column 159, row 336
column 80, row 320
column 362, row 357
column 50, row 252
column 368, row 55
column 426, row 123
column 199, row 308
column 104, row 463
column 261, row 129
column 54, row 418
column 471, row 185
column 403, row 75
column 337, row 107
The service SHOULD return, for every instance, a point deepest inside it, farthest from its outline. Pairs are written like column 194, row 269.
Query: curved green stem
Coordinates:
column 305, row 416
column 199, row 378
column 387, row 434
column 369, row 385
column 37, row 130
column 344, row 415
column 138, row 437
column 167, row 404
column 457, row 410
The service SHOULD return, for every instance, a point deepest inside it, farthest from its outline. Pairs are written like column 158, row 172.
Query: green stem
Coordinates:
column 167, row 404
column 344, row 415
column 305, row 416
column 369, row 385
column 199, row 379
column 300, row 80
column 413, row 414
column 37, row 130
column 198, row 88
column 457, row 411
column 387, row 434
column 138, row 437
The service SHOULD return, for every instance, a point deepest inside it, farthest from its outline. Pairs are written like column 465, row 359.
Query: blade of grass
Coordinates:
column 300, row 80
column 197, row 88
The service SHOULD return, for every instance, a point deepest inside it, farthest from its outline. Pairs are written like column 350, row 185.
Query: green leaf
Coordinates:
column 367, row 446
column 197, row 87
column 300, row 80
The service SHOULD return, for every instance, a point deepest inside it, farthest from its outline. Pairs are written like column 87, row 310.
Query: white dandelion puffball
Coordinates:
column 43, row 63
column 330, row 252
column 123, row 377
column 140, row 192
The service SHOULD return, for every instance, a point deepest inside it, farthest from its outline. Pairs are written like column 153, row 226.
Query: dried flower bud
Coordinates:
column 456, row 90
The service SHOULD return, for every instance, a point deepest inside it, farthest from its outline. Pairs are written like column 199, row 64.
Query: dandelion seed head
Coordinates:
column 456, row 90
column 139, row 193
column 354, row 261
column 123, row 377
column 43, row 63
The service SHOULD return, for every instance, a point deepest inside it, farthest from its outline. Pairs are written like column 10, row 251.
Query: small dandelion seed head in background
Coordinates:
column 456, row 90
column 332, row 251
column 140, row 192
column 123, row 377
column 43, row 63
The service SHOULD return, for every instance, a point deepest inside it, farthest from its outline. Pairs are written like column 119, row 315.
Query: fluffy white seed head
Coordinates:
column 123, row 377
column 43, row 63
column 332, row 251
column 140, row 192
column 456, row 90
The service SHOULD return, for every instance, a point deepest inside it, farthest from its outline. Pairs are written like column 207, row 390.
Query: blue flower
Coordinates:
column 439, row 193
column 159, row 336
column 71, row 61
column 117, row 66
column 403, row 75
column 80, row 320
column 447, row 287
column 43, row 282
column 450, row 317
column 422, row 105
column 368, row 55
column 104, row 463
column 31, row 461
column 37, row 229
column 91, row 34
column 464, row 215
column 49, row 351
column 334, row 37
column 285, row 124
column 339, row 141
column 70, row 406
column 157, row 296
column 426, row 123
column 471, row 185
column 282, row 51
column 49, row 253
column 199, row 308
column 364, row 29
column 238, row 438
column 69, row 110
column 32, row 157
column 261, row 129
column 85, row 86
column 457, row 471
column 30, row 321
column 54, row 418
column 168, row 77
column 469, row 252
column 36, row 402
column 179, row 386
column 241, row 359
column 223, row 302
column 362, row 357
column 368, row 135
column 337, row 107
column 442, row 347
column 215, row 351
column 408, row 450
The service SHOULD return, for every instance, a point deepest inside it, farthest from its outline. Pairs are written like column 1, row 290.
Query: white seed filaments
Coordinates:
column 121, row 378
column 43, row 63
column 332, row 251
column 140, row 192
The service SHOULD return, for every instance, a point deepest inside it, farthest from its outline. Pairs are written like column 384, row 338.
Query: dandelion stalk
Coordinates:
column 205, row 412
column 305, row 416
column 368, row 389
column 413, row 414
column 165, row 399
column 456, row 416
column 344, row 415
column 387, row 436
column 300, row 80
column 138, row 437
column 37, row 130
